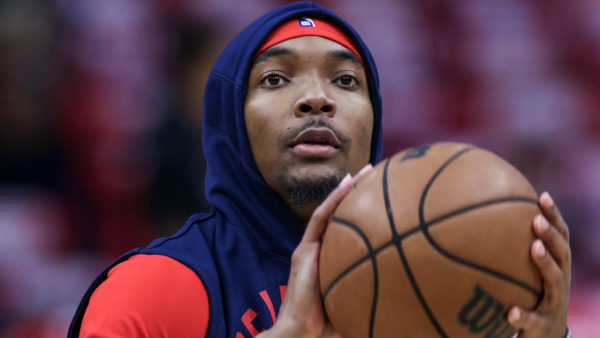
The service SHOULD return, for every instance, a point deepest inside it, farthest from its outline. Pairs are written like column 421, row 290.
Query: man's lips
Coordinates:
column 314, row 150
column 317, row 142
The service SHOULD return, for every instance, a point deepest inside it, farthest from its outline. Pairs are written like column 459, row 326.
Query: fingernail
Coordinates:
column 546, row 196
column 514, row 315
column 365, row 168
column 345, row 180
column 538, row 248
column 541, row 223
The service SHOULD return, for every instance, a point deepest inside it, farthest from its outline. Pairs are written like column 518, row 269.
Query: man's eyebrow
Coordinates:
column 344, row 54
column 273, row 51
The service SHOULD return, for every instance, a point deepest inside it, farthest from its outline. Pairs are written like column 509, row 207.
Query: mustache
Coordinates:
column 289, row 135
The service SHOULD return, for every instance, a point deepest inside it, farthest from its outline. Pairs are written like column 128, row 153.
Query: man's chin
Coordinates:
column 311, row 190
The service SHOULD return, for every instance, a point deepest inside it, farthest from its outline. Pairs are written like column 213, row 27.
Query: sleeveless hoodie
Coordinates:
column 241, row 250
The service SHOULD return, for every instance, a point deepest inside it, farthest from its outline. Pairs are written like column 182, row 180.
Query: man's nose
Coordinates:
column 314, row 100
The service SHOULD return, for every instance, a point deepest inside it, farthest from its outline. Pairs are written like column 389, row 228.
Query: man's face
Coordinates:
column 309, row 118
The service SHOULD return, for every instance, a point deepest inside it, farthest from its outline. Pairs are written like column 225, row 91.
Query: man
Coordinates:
column 292, row 107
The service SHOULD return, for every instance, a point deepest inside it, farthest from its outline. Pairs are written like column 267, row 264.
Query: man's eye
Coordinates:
column 347, row 80
column 273, row 80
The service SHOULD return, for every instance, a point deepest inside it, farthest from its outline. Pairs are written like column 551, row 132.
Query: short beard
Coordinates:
column 304, row 192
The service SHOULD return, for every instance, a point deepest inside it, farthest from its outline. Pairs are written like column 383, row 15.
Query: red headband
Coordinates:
column 305, row 26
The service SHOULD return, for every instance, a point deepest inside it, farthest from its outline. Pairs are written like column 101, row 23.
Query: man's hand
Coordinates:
column 552, row 254
column 301, row 313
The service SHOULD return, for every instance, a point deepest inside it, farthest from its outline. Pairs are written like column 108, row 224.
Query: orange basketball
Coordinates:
column 434, row 242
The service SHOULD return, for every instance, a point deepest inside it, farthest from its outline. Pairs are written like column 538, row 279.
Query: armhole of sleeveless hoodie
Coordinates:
column 147, row 295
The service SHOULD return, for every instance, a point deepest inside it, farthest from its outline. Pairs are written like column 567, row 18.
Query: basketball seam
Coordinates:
column 398, row 245
column 371, row 255
column 400, row 237
column 425, row 225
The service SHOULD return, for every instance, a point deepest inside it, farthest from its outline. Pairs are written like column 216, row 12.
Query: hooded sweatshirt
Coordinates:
column 241, row 250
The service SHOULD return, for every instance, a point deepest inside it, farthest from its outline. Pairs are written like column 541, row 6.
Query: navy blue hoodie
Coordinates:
column 241, row 250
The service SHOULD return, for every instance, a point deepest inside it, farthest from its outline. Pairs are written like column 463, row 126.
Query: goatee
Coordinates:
column 307, row 191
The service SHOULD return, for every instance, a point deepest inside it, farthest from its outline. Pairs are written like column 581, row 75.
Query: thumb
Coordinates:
column 525, row 321
column 321, row 215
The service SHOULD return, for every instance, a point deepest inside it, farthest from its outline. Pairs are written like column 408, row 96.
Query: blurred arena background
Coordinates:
column 100, row 110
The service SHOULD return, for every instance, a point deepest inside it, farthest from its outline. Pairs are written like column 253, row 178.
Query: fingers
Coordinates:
column 555, row 242
column 553, row 215
column 365, row 170
column 552, row 275
column 302, row 310
column 528, row 321
column 302, row 272
column 321, row 215
column 552, row 255
column 301, row 313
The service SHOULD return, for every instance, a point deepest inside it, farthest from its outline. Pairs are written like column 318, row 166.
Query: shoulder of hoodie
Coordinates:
column 198, row 227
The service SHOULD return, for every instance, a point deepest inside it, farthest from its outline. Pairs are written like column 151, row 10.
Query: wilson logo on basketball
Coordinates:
column 483, row 313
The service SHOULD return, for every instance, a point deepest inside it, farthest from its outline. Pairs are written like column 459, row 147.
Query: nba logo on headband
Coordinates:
column 306, row 26
column 306, row 22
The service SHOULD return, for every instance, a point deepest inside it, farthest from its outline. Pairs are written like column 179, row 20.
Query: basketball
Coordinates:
column 433, row 242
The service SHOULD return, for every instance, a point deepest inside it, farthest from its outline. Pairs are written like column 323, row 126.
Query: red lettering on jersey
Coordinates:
column 265, row 296
column 247, row 319
column 250, row 315
column 282, row 289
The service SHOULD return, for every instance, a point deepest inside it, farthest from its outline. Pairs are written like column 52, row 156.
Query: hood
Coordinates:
column 234, row 185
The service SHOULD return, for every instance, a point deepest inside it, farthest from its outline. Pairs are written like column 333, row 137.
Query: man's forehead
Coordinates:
column 292, row 47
